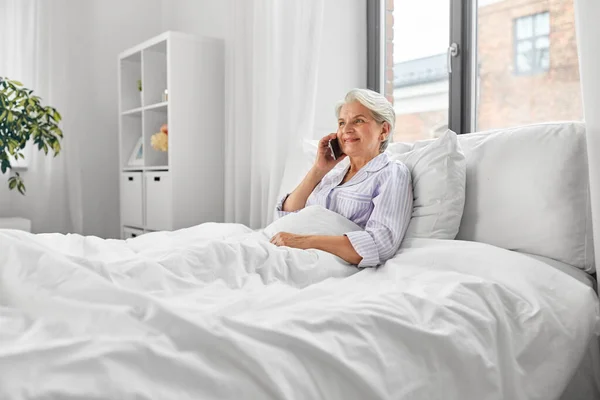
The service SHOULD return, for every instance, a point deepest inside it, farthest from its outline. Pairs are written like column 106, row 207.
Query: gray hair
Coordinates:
column 379, row 106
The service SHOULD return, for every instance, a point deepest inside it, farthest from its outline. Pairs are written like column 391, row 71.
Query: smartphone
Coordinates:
column 336, row 151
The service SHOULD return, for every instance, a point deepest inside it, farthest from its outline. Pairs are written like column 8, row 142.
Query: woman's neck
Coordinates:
column 356, row 163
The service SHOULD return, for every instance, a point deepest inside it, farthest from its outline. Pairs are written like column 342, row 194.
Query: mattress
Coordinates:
column 585, row 384
column 570, row 270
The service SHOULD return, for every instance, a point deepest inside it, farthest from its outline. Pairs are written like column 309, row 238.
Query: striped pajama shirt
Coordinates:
column 378, row 198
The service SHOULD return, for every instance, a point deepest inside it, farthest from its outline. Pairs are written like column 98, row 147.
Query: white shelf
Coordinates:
column 133, row 111
column 157, row 106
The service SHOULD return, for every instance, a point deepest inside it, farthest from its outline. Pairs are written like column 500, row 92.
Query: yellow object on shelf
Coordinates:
column 160, row 141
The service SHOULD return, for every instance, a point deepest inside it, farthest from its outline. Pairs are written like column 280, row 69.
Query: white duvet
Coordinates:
column 217, row 312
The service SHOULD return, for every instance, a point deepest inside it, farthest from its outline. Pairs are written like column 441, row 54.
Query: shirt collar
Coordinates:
column 377, row 163
column 374, row 165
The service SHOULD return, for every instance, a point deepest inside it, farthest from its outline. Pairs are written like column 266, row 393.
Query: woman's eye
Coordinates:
column 340, row 124
column 359, row 121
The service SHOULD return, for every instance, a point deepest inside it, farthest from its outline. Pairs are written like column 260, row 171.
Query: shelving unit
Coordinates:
column 183, row 186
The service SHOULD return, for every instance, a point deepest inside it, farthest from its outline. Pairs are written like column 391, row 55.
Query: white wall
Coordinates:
column 199, row 17
column 342, row 58
column 104, row 28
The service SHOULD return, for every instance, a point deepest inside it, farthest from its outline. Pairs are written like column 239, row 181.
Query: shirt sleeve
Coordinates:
column 310, row 201
column 389, row 219
column 279, row 208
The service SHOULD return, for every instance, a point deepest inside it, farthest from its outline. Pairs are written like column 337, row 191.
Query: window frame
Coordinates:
column 462, row 81
column 535, row 68
column 375, row 45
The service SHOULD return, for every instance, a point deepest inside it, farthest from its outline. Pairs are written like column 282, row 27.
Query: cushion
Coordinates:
column 438, row 170
column 527, row 190
column 313, row 220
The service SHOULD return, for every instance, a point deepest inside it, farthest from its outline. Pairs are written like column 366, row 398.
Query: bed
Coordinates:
column 217, row 312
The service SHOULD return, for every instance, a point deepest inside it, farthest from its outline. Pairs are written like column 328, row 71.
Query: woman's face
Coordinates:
column 358, row 132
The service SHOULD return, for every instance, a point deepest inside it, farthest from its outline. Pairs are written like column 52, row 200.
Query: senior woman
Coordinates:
column 373, row 192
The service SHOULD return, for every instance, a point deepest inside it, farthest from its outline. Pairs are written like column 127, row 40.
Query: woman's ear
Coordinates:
column 385, row 131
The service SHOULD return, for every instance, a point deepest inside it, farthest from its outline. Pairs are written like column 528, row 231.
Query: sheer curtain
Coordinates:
column 34, row 51
column 587, row 15
column 272, row 58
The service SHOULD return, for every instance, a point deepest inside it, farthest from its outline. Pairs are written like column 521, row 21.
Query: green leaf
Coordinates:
column 56, row 146
column 10, row 116
column 12, row 183
column 16, row 83
column 21, row 188
column 45, row 146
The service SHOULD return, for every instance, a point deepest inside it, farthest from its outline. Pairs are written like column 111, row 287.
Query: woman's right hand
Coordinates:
column 325, row 161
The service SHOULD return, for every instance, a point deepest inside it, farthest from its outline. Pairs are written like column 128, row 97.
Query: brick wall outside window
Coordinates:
column 505, row 98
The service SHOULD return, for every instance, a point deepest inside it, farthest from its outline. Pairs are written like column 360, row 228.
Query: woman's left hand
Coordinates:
column 290, row 240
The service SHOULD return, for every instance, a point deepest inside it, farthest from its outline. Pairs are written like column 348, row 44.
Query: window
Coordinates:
column 501, row 75
column 532, row 44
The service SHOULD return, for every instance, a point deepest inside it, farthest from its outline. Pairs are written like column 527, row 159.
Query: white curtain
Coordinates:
column 33, row 51
column 272, row 58
column 587, row 15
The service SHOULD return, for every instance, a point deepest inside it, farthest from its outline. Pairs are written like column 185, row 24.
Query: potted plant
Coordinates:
column 22, row 117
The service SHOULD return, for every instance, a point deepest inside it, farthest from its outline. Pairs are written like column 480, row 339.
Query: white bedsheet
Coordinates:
column 216, row 312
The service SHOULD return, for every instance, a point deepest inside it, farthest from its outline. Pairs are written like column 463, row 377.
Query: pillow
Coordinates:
column 528, row 191
column 316, row 220
column 313, row 220
column 438, row 170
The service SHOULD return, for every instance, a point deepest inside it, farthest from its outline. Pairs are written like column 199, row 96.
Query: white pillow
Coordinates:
column 528, row 191
column 313, row 220
column 317, row 220
column 438, row 171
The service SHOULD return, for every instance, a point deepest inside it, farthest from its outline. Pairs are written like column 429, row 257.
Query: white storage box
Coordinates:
column 130, row 233
column 22, row 224
column 131, row 199
column 158, row 201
